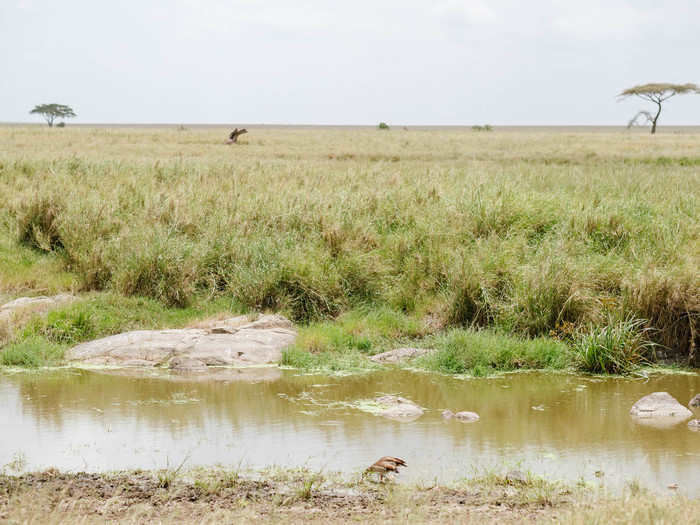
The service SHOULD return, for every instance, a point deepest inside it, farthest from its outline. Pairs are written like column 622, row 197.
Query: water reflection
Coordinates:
column 562, row 426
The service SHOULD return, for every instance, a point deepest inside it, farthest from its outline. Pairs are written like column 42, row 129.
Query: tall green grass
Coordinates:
column 480, row 353
column 516, row 232
column 619, row 347
column 32, row 352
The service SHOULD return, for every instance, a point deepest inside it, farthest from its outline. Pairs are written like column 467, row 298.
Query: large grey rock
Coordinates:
column 659, row 404
column 40, row 303
column 695, row 402
column 399, row 354
column 187, row 364
column 399, row 408
column 231, row 342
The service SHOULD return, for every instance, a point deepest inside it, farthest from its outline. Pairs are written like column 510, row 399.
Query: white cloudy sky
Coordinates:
column 346, row 62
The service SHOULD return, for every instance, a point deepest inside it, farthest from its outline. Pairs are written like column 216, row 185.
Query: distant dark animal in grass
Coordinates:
column 384, row 465
column 233, row 137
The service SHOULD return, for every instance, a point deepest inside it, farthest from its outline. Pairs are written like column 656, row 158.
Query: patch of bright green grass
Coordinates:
column 328, row 361
column 22, row 268
column 107, row 314
column 482, row 352
column 32, row 352
column 346, row 343
column 366, row 330
column 43, row 340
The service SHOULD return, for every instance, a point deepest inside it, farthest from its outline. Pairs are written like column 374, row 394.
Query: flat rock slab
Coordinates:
column 399, row 408
column 659, row 404
column 400, row 354
column 253, row 374
column 36, row 304
column 232, row 342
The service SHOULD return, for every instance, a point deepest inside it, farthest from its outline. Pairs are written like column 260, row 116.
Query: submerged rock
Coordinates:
column 231, row 342
column 466, row 417
column 400, row 354
column 400, row 408
column 695, row 402
column 659, row 405
column 694, row 424
column 40, row 303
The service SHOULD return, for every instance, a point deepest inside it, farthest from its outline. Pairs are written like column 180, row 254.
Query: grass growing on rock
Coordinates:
column 41, row 340
column 520, row 233
column 348, row 341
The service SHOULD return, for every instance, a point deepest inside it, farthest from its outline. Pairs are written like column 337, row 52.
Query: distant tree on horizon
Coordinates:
column 658, row 92
column 52, row 111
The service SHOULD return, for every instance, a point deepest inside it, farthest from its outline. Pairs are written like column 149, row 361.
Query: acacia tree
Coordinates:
column 51, row 111
column 658, row 93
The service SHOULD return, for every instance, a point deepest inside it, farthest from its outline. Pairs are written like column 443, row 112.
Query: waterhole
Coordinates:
column 561, row 426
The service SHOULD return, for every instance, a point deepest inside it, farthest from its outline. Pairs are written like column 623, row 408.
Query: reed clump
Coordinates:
column 618, row 347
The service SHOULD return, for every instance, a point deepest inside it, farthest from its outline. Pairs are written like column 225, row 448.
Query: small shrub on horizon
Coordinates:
column 383, row 125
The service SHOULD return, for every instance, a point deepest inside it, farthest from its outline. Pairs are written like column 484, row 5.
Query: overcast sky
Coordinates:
column 503, row 62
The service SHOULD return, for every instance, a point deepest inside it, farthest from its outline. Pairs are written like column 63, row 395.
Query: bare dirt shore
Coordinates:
column 218, row 496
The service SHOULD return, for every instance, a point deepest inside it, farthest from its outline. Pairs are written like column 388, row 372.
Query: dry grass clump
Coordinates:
column 521, row 232
column 672, row 306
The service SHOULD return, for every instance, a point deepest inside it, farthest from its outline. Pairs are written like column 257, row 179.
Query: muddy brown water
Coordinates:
column 557, row 425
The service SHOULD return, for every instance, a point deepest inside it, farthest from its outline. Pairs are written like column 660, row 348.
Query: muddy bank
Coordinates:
column 221, row 496
column 273, row 496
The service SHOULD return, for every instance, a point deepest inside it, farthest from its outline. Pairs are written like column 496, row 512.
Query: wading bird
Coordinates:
column 384, row 465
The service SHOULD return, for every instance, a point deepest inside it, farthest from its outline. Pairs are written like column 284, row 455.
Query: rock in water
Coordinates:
column 694, row 424
column 400, row 408
column 659, row 404
column 464, row 416
column 399, row 354
column 695, row 402
column 467, row 417
column 232, row 342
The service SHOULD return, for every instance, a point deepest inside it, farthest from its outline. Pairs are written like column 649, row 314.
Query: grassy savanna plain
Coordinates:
column 502, row 250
